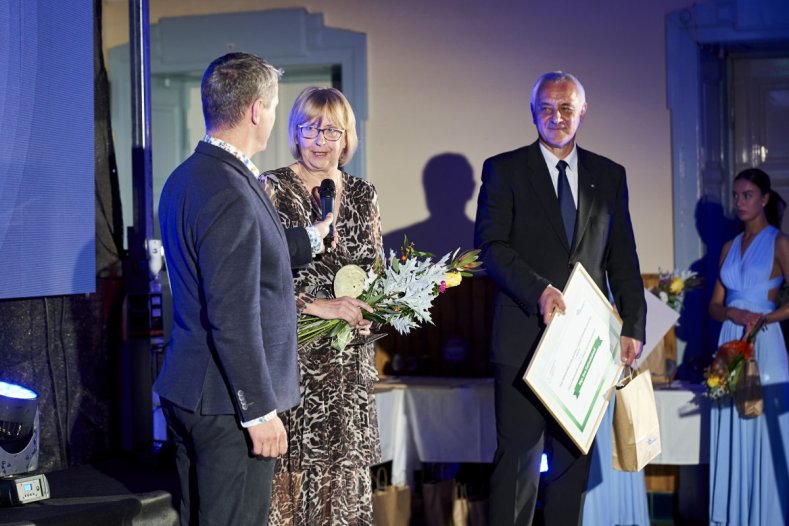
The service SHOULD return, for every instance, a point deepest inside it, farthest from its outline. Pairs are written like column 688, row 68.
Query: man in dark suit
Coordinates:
column 231, row 364
column 541, row 209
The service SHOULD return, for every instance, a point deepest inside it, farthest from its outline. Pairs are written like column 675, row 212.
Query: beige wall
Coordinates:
column 455, row 76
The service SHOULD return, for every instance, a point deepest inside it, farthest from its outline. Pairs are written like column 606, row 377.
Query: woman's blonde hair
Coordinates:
column 315, row 103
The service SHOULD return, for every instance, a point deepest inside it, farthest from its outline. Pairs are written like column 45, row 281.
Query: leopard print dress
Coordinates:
column 324, row 478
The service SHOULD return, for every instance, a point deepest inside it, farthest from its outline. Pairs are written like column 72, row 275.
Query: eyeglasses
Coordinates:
column 310, row 131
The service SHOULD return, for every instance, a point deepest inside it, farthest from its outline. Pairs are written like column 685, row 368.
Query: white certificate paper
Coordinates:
column 660, row 318
column 577, row 361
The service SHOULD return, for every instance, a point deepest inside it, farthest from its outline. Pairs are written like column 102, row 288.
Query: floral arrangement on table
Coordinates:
column 672, row 286
column 724, row 372
column 400, row 289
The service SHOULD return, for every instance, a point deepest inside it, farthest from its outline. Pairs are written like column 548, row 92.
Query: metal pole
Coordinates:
column 142, row 173
column 143, row 303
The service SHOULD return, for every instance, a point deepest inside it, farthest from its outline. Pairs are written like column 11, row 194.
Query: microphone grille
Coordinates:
column 327, row 188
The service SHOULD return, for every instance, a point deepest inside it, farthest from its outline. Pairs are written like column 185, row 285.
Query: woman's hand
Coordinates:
column 364, row 327
column 751, row 325
column 344, row 308
column 743, row 317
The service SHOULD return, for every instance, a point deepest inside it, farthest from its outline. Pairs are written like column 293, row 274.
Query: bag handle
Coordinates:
column 381, row 479
column 628, row 373
column 461, row 492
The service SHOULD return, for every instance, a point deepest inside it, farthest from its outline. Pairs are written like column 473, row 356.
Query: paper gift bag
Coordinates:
column 748, row 393
column 391, row 503
column 460, row 505
column 636, row 436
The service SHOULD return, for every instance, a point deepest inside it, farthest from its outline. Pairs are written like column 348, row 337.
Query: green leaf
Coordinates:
column 342, row 338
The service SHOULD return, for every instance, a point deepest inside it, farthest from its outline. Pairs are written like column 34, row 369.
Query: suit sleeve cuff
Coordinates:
column 316, row 243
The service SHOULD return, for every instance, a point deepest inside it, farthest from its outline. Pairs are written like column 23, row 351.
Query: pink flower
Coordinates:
column 443, row 287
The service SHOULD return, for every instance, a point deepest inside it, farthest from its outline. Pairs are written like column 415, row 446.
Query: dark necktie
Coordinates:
column 566, row 202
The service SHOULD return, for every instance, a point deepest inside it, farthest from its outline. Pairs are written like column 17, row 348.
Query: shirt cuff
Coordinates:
column 264, row 418
column 316, row 243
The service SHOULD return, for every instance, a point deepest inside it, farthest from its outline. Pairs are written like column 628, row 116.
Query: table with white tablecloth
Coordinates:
column 423, row 419
column 684, row 416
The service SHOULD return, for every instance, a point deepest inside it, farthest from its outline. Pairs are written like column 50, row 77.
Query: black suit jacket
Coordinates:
column 524, row 248
column 233, row 347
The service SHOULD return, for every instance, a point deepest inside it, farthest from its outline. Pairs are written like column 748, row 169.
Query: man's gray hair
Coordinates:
column 557, row 76
column 231, row 83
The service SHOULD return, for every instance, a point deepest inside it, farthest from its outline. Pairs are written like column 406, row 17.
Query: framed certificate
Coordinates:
column 577, row 362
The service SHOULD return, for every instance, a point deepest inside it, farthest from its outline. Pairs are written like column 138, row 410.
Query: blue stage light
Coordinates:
column 18, row 429
column 16, row 391
column 544, row 463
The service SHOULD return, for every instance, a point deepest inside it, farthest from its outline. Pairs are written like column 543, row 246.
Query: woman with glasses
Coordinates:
column 333, row 432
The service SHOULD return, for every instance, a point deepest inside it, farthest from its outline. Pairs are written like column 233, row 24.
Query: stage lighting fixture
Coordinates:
column 19, row 436
column 544, row 463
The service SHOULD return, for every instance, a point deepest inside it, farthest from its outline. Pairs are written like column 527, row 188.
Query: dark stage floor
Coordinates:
column 126, row 491
column 121, row 491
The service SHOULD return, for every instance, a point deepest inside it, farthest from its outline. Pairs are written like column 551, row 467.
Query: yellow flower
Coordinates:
column 677, row 285
column 453, row 279
column 713, row 382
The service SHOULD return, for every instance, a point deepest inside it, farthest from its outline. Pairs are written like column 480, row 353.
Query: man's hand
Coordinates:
column 323, row 229
column 550, row 299
column 269, row 439
column 630, row 349
column 344, row 308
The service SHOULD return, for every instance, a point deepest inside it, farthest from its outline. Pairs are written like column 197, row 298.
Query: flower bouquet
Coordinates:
column 400, row 289
column 671, row 286
column 723, row 375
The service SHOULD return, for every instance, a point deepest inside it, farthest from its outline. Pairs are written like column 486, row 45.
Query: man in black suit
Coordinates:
column 541, row 209
column 231, row 364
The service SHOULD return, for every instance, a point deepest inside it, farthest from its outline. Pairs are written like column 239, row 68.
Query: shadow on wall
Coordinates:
column 456, row 344
column 695, row 327
column 448, row 181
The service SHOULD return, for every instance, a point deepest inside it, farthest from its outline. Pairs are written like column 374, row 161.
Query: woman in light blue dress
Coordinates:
column 749, row 457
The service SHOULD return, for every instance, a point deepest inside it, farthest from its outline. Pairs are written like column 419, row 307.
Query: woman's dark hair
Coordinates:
column 760, row 178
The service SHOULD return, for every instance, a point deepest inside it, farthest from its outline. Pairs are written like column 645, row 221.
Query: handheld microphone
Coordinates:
column 328, row 192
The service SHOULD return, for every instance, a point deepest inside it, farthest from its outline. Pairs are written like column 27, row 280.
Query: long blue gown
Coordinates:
column 749, row 470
